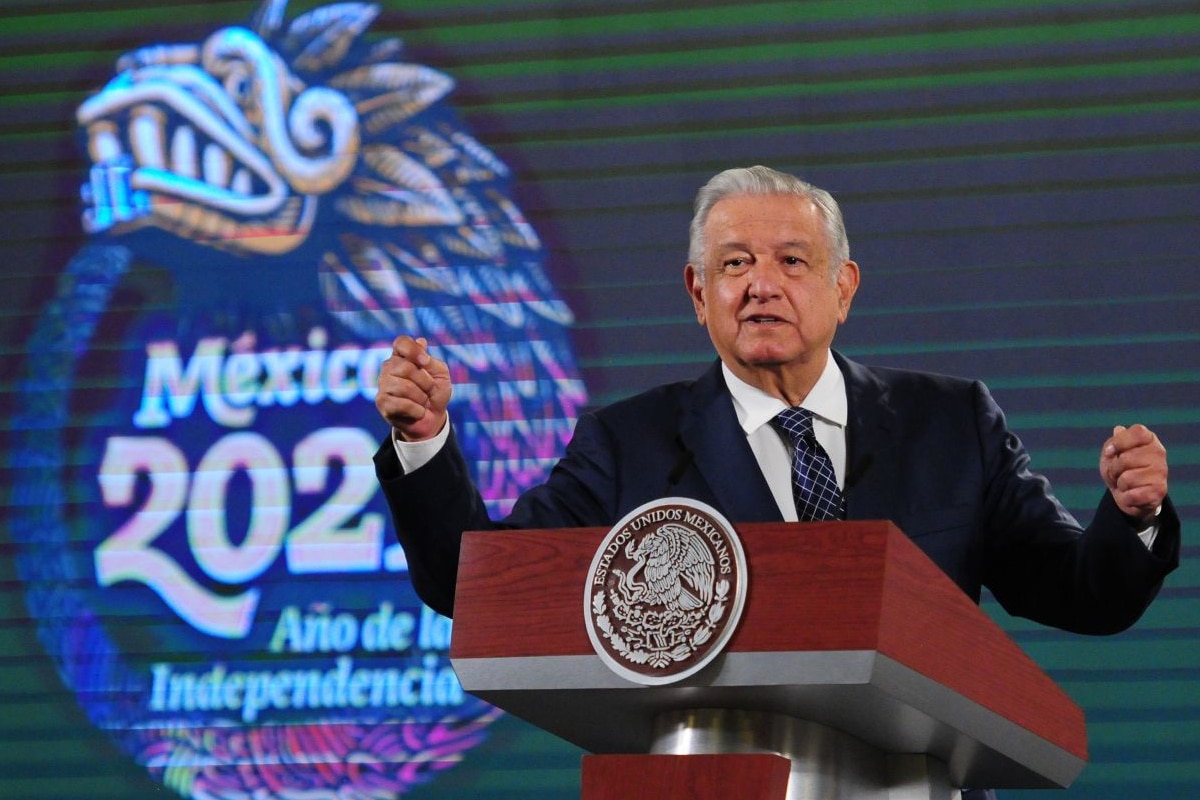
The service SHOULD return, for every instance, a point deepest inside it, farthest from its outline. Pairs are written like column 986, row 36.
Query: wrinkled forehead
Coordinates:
column 765, row 223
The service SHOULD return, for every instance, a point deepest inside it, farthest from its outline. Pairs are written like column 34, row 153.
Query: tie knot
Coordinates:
column 797, row 422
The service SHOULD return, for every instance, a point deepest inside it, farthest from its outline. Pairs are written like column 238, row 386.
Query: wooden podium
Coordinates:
column 854, row 649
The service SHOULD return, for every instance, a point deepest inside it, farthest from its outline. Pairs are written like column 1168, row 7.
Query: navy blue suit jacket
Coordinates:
column 930, row 453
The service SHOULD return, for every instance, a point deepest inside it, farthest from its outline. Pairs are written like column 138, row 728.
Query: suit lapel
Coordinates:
column 710, row 431
column 870, row 442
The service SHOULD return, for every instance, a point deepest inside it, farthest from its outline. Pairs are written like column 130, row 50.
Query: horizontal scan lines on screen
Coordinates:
column 679, row 36
column 686, row 118
column 25, row 724
column 658, row 358
column 873, row 188
column 1073, row 652
column 1182, row 455
column 877, row 163
column 681, row 86
column 862, row 92
column 1138, row 772
column 1141, row 701
column 1026, row 174
column 1030, row 343
column 1082, row 497
column 1139, row 301
column 1090, row 417
column 1163, row 739
column 470, row 21
column 499, row 34
column 1151, row 759
column 1172, row 616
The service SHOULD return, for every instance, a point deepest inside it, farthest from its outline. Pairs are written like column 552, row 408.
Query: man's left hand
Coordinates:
column 1133, row 463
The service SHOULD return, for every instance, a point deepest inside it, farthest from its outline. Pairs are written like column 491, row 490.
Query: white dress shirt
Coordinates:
column 772, row 449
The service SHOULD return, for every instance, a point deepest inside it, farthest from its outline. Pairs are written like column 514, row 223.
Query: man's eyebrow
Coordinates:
column 740, row 245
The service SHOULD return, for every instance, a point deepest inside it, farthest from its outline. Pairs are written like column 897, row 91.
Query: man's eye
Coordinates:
column 793, row 261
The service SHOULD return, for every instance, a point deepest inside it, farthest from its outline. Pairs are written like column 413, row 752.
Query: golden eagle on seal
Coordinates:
column 678, row 568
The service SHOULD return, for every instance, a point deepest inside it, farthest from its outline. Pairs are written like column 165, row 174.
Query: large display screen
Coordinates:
column 216, row 217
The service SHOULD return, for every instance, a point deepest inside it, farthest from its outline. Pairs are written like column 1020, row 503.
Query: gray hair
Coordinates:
column 760, row 180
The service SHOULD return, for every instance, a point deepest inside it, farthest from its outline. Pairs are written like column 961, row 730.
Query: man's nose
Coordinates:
column 764, row 280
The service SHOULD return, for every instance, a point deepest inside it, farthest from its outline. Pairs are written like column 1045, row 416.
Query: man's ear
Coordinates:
column 847, row 283
column 694, row 281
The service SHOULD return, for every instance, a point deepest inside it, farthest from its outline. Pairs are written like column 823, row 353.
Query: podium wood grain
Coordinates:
column 748, row 776
column 840, row 587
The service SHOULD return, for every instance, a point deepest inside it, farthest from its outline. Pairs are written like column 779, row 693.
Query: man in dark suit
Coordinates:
column 770, row 276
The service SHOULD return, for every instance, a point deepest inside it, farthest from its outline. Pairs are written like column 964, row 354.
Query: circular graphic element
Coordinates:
column 199, row 528
column 177, row 703
column 665, row 591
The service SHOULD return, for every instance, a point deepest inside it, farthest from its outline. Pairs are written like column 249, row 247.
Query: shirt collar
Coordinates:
column 756, row 408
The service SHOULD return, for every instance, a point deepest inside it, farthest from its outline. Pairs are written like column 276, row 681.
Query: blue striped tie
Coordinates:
column 814, row 483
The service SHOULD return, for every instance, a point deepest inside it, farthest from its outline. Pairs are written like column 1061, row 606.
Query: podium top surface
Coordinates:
column 845, row 623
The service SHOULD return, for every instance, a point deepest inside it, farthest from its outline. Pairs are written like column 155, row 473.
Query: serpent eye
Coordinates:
column 239, row 85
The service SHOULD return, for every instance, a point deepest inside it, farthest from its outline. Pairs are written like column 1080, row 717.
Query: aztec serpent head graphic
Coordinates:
column 302, row 144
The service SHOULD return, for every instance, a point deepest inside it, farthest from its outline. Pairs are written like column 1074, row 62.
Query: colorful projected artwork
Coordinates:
column 208, row 558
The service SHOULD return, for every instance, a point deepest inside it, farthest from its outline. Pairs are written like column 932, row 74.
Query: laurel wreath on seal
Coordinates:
column 700, row 631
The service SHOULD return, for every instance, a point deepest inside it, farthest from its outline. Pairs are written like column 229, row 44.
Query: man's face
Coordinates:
column 767, row 296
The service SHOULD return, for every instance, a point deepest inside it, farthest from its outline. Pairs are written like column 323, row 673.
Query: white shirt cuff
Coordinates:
column 414, row 455
column 1148, row 533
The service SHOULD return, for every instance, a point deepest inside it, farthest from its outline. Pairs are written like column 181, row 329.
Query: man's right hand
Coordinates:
column 414, row 390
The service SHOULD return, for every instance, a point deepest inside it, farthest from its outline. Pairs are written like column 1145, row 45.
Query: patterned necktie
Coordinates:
column 814, row 483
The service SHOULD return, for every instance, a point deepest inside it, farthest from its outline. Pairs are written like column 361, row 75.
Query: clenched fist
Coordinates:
column 1133, row 463
column 414, row 390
